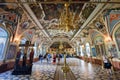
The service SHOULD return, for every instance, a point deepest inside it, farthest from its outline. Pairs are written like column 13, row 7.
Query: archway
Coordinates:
column 100, row 46
column 3, row 42
column 117, row 39
column 115, row 48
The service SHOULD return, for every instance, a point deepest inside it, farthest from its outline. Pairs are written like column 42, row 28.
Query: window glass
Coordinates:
column 3, row 40
column 88, row 49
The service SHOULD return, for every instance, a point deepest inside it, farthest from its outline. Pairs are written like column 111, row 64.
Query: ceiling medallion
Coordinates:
column 66, row 21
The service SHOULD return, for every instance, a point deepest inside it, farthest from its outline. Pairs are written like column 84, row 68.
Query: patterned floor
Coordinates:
column 81, row 70
column 40, row 71
column 88, row 71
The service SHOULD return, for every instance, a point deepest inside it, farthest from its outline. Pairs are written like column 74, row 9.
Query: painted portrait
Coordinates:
column 11, row 52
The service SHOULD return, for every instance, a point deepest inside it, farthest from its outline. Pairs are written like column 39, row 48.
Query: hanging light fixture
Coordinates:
column 66, row 21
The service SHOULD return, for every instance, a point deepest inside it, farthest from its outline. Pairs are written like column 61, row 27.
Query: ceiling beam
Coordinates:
column 34, row 18
column 96, row 12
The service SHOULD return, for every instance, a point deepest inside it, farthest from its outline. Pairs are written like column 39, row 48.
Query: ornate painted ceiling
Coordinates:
column 49, row 15
column 40, row 19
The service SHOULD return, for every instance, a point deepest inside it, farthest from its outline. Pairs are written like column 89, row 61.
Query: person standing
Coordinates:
column 59, row 56
column 48, row 58
column 54, row 58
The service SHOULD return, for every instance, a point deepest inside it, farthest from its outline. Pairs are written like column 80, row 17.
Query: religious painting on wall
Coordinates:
column 11, row 18
column 99, row 45
column 117, row 37
column 93, row 34
column 98, row 40
column 97, row 50
column 113, row 51
column 112, row 16
column 103, row 51
column 94, row 52
column 11, row 52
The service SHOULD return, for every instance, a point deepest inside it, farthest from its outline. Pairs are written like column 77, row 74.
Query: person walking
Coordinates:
column 40, row 58
column 48, row 58
column 59, row 56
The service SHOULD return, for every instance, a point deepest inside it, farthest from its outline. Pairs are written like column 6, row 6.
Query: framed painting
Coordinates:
column 11, row 52
column 94, row 52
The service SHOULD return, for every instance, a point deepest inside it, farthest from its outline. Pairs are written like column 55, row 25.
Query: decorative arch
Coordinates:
column 4, row 40
column 115, row 35
column 95, row 33
column 99, row 45
column 115, row 27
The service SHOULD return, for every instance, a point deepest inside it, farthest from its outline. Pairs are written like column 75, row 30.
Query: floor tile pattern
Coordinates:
column 88, row 71
column 40, row 71
column 81, row 70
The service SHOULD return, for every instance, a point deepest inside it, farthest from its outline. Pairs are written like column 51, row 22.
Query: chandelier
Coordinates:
column 66, row 21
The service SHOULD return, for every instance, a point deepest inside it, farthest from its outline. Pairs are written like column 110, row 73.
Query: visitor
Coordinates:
column 40, row 58
column 54, row 58
column 59, row 56
column 48, row 58
column 107, row 64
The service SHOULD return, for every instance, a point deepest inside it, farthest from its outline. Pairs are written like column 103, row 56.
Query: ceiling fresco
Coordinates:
column 41, row 19
column 49, row 15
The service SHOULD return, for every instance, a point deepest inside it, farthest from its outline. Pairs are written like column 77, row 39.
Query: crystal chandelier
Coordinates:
column 66, row 21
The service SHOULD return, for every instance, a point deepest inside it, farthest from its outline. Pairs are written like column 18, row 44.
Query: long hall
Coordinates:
column 79, row 70
column 59, row 39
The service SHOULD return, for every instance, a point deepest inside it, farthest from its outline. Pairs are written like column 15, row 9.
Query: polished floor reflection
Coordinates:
column 80, row 69
column 40, row 71
column 88, row 71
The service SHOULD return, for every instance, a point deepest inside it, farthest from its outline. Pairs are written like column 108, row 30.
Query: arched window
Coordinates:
column 3, row 41
column 81, row 51
column 88, row 49
column 117, row 37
